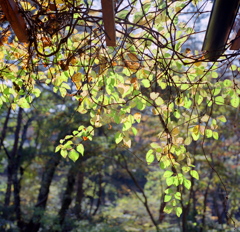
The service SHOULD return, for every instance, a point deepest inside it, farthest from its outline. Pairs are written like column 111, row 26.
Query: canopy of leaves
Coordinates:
column 152, row 71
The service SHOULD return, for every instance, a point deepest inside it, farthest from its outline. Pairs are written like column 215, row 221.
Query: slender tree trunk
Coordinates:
column 67, row 196
column 205, row 203
column 13, row 170
column 145, row 199
column 47, row 177
column 79, row 193
column 99, row 193
column 4, row 129
column 12, row 165
column 162, row 206
column 185, row 209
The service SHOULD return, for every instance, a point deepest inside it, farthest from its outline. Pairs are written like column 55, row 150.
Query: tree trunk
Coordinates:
column 79, row 193
column 13, row 170
column 67, row 196
column 47, row 177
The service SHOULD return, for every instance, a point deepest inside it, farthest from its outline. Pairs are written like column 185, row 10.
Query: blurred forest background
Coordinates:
column 111, row 188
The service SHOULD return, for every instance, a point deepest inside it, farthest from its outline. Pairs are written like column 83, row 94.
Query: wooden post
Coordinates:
column 15, row 19
column 236, row 42
column 109, row 21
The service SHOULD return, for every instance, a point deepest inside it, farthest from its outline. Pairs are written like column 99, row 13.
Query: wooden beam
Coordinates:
column 236, row 42
column 220, row 24
column 15, row 19
column 109, row 21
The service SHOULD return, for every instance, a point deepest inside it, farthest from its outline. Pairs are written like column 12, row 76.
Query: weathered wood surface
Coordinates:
column 10, row 9
column 109, row 21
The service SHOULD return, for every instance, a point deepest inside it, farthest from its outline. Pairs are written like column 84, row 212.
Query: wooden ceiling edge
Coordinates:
column 108, row 15
column 17, row 22
column 236, row 42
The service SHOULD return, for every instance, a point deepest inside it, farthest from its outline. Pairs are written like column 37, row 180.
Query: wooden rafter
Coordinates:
column 219, row 27
column 11, row 10
column 109, row 21
column 236, row 42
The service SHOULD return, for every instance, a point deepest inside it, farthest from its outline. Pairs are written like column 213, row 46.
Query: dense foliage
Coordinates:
column 152, row 109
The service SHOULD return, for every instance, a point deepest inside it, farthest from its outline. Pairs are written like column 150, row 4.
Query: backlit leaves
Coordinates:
column 152, row 73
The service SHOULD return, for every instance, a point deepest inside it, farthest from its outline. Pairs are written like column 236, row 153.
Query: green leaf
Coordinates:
column 233, row 67
column 127, row 125
column 36, row 92
column 168, row 191
column 118, row 137
column 168, row 209
column 134, row 130
column 219, row 100
column 178, row 195
column 170, row 181
column 73, row 155
column 215, row 135
column 194, row 174
column 214, row 75
column 167, row 198
column 174, row 202
column 150, row 156
column 222, row 118
column 186, row 169
column 200, row 99
column 146, row 83
column 167, row 174
column 235, row 102
column 178, row 211
column 165, row 164
column 123, row 14
column 80, row 148
column 68, row 137
column 195, row 136
column 159, row 101
column 58, row 148
column 155, row 145
column 22, row 102
column 64, row 153
column 187, row 183
column 227, row 83
column 67, row 145
column 188, row 141
column 208, row 133
column 63, row 91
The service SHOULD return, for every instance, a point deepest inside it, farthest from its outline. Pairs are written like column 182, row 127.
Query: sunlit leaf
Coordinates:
column 178, row 211
column 80, row 149
column 194, row 174
column 73, row 155
column 235, row 102
column 168, row 209
column 150, row 156
column 64, row 153
column 167, row 198
column 187, row 183
column 22, row 102
column 167, row 174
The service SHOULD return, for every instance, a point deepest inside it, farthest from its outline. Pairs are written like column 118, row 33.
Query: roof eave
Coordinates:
column 219, row 27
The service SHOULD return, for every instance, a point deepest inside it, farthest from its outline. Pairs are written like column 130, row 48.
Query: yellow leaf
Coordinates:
column 154, row 95
column 133, row 57
column 60, row 1
column 77, row 77
column 77, row 80
column 196, row 129
column 1, row 55
column 137, row 116
column 127, row 142
column 175, row 131
column 197, row 64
